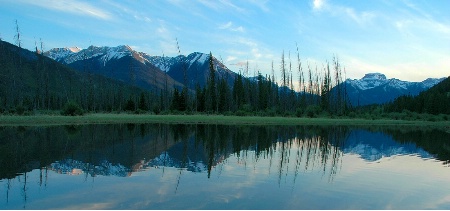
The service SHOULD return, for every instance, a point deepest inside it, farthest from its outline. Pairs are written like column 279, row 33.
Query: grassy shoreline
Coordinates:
column 97, row 118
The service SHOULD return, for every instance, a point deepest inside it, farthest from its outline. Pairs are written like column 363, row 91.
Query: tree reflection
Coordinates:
column 314, row 145
column 122, row 149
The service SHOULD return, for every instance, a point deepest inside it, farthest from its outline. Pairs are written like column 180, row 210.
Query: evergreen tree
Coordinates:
column 130, row 105
column 175, row 100
column 200, row 98
column 142, row 102
column 211, row 100
column 224, row 101
column 262, row 93
column 238, row 91
column 182, row 104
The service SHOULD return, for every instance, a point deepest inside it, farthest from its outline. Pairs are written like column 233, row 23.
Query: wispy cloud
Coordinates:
column 261, row 4
column 230, row 58
column 231, row 5
column 418, row 21
column 126, row 11
column 361, row 18
column 166, row 38
column 343, row 11
column 229, row 26
column 73, row 7
column 221, row 5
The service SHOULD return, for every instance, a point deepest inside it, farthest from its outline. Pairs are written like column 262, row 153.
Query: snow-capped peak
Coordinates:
column 73, row 54
column 59, row 54
column 430, row 82
column 374, row 76
column 372, row 80
column 164, row 63
column 197, row 57
column 75, row 49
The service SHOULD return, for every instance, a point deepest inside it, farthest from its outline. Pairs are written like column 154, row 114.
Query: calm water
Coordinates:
column 157, row 166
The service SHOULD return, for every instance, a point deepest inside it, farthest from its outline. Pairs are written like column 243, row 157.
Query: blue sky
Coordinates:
column 409, row 40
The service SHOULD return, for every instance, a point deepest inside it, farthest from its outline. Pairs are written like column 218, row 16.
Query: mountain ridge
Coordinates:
column 193, row 69
column 376, row 88
column 195, row 64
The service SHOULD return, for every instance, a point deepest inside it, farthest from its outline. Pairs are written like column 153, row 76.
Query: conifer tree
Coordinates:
column 238, row 92
column 143, row 102
column 211, row 100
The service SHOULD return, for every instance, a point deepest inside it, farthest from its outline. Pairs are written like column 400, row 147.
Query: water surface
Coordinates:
column 158, row 166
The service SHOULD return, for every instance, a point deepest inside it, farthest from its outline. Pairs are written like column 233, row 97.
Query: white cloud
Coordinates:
column 229, row 26
column 166, row 39
column 73, row 7
column 416, row 25
column 221, row 5
column 361, row 18
column 261, row 4
column 230, row 58
column 229, row 4
column 343, row 11
column 226, row 25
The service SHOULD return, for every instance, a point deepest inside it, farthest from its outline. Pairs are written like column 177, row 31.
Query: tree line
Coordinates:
column 320, row 92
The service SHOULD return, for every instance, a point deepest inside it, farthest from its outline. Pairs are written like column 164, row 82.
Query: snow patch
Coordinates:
column 75, row 49
column 73, row 54
column 203, row 58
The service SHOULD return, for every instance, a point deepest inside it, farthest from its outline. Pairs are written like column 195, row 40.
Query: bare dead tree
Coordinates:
column 299, row 69
column 17, row 35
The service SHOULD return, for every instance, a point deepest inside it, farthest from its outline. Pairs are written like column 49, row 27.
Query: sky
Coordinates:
column 404, row 39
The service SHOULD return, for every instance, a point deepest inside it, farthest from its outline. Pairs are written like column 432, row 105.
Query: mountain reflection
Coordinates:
column 121, row 149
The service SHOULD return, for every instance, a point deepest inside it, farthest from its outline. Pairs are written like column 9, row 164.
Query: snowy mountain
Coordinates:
column 59, row 54
column 375, row 88
column 124, row 63
column 74, row 54
column 121, row 63
column 196, row 66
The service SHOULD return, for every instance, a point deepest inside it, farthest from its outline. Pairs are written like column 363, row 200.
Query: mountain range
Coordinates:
column 138, row 68
column 375, row 88
column 151, row 72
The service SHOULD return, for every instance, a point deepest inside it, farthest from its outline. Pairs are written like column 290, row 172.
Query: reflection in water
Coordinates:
column 122, row 150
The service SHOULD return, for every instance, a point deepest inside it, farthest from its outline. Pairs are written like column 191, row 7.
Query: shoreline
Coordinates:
column 104, row 118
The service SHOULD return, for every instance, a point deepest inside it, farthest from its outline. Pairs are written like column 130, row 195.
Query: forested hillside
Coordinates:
column 33, row 82
column 436, row 100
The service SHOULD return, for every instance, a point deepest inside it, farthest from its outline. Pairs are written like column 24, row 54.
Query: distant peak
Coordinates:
column 197, row 52
column 74, row 49
column 124, row 47
column 374, row 76
column 92, row 47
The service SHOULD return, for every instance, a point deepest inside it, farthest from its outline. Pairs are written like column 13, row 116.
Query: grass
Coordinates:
column 35, row 120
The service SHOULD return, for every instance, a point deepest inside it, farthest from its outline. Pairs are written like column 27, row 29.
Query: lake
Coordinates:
column 168, row 166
